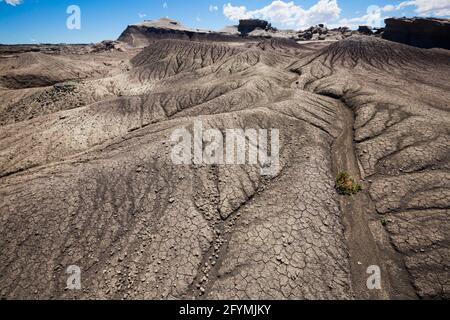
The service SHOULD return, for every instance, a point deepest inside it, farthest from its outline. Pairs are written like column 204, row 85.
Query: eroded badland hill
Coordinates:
column 87, row 179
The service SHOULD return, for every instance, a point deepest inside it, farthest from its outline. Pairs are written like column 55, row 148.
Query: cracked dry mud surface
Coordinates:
column 86, row 176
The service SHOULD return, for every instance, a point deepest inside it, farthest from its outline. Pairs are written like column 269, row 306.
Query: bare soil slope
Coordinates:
column 86, row 176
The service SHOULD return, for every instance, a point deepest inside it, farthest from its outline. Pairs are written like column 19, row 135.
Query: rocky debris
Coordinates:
column 65, row 86
column 419, row 32
column 344, row 30
column 313, row 33
column 367, row 30
column 61, row 96
column 321, row 32
column 108, row 45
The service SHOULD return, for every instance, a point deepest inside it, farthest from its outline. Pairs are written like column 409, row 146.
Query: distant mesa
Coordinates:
column 144, row 33
column 419, row 32
column 164, row 23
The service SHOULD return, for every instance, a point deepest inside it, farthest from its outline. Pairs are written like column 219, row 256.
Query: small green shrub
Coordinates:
column 346, row 185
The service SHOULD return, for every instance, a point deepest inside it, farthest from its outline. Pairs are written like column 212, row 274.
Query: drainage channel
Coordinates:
column 357, row 211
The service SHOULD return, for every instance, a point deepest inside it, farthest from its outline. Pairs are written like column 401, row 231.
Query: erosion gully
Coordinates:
column 367, row 241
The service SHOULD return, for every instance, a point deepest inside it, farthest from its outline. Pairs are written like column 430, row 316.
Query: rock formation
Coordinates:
column 321, row 32
column 248, row 25
column 419, row 32
column 367, row 30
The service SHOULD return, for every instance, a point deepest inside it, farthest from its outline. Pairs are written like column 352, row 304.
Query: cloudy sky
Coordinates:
column 44, row 21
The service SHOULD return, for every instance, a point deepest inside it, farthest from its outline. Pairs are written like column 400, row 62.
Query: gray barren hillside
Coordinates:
column 86, row 176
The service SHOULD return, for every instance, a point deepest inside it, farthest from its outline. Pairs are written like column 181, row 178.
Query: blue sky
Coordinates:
column 44, row 21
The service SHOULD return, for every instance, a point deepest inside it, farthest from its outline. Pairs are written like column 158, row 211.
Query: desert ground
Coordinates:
column 86, row 176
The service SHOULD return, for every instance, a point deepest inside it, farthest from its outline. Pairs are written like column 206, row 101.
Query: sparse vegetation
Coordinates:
column 346, row 185
column 384, row 222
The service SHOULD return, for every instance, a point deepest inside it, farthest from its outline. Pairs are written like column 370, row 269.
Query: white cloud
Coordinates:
column 235, row 13
column 13, row 2
column 373, row 17
column 213, row 8
column 165, row 5
column 432, row 7
column 142, row 15
column 389, row 7
column 288, row 13
column 328, row 11
column 439, row 8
